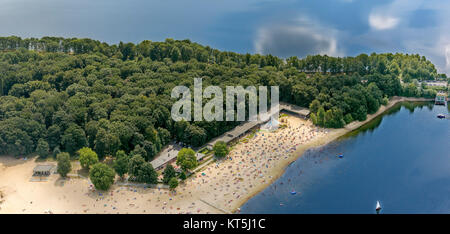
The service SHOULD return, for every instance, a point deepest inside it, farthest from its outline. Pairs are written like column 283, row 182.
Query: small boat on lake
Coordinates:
column 441, row 116
column 378, row 207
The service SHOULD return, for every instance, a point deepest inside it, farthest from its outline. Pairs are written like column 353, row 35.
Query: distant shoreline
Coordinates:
column 331, row 136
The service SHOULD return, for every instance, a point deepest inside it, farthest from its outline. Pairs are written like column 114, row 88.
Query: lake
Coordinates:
column 401, row 158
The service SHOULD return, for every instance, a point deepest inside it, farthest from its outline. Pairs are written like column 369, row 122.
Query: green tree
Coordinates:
column 134, row 165
column 87, row 157
column 147, row 174
column 173, row 183
column 42, row 148
column 121, row 163
column 314, row 106
column 182, row 175
column 56, row 151
column 169, row 172
column 73, row 139
column 348, row 118
column 101, row 176
column 321, row 117
column 64, row 165
column 220, row 149
column 186, row 159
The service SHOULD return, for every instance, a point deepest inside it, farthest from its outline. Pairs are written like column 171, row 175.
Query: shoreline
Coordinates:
column 333, row 135
column 219, row 187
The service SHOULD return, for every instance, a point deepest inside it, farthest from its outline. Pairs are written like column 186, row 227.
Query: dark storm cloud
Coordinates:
column 286, row 41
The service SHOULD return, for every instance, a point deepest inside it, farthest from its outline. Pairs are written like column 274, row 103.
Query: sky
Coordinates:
column 283, row 28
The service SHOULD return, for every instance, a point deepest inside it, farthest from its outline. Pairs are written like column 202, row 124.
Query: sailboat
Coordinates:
column 378, row 207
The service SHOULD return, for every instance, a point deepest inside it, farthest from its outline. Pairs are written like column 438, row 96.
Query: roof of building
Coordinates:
column 168, row 154
column 295, row 109
column 43, row 168
column 171, row 152
column 243, row 128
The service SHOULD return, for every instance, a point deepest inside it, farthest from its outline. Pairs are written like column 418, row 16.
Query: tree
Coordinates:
column 142, row 171
column 220, row 149
column 53, row 136
column 73, row 139
column 195, row 135
column 169, row 173
column 117, row 97
column 101, row 176
column 135, row 164
column 183, row 175
column 87, row 157
column 56, row 151
column 147, row 174
column 121, row 163
column 173, row 183
column 348, row 118
column 321, row 116
column 314, row 106
column 64, row 165
column 186, row 159
column 138, row 150
column 42, row 148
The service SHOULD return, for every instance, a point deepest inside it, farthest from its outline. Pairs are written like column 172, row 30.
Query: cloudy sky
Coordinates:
column 283, row 28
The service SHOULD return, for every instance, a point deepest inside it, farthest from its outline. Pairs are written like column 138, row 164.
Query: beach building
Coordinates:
column 235, row 133
column 167, row 155
column 293, row 109
column 170, row 153
column 247, row 127
column 42, row 170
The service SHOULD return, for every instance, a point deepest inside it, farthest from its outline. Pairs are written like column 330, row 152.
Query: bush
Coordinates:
column 42, row 148
column 102, row 176
column 220, row 149
column 64, row 165
column 121, row 163
column 186, row 159
column 87, row 157
column 173, row 183
column 183, row 175
column 169, row 173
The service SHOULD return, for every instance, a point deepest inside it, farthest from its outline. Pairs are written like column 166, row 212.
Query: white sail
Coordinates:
column 378, row 207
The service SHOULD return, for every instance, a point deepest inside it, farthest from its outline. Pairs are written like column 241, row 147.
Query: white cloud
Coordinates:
column 380, row 22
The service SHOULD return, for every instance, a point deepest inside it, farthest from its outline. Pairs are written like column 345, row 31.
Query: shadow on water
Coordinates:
column 373, row 124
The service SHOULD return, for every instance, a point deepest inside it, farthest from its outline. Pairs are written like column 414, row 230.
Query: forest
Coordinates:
column 63, row 94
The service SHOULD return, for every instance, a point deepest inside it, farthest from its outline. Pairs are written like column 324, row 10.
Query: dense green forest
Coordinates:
column 60, row 94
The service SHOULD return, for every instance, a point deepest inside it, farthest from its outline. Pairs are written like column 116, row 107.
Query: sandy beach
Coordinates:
column 220, row 187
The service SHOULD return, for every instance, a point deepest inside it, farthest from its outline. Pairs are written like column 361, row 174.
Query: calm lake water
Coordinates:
column 401, row 159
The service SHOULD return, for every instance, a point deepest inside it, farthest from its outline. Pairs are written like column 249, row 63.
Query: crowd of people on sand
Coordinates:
column 247, row 166
column 217, row 188
column 249, row 163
